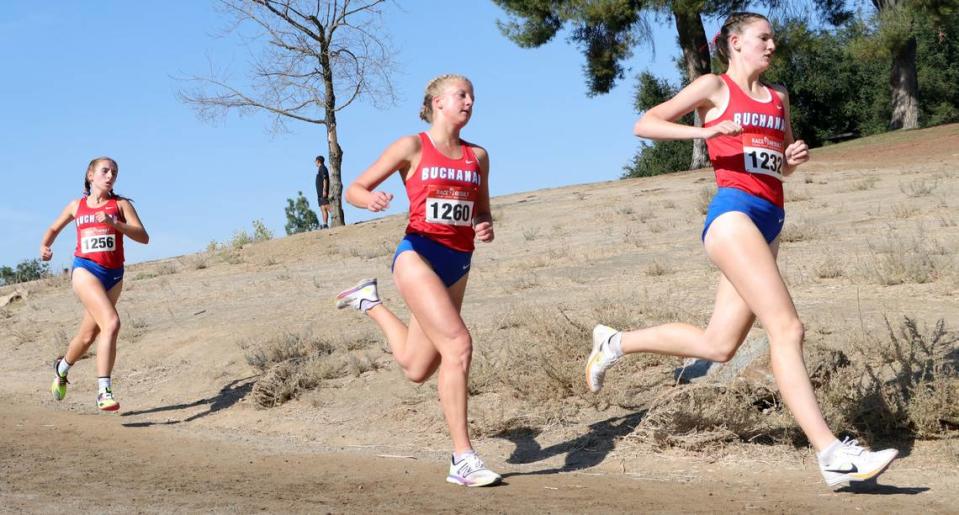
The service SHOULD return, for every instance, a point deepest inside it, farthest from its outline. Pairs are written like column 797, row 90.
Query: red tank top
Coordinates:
column 753, row 160
column 96, row 241
column 442, row 194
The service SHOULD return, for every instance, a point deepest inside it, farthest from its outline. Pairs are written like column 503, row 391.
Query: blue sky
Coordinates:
column 84, row 79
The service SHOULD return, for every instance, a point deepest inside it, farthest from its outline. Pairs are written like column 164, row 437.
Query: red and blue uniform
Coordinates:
column 443, row 193
column 748, row 166
column 99, row 246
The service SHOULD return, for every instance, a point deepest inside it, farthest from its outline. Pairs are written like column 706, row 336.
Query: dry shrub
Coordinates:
column 695, row 416
column 864, row 184
column 799, row 230
column 539, row 367
column 704, row 198
column 830, row 268
column 898, row 260
column 903, row 210
column 656, row 269
column 903, row 385
column 920, row 187
column 296, row 362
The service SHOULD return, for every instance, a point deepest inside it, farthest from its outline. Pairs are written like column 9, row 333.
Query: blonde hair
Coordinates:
column 434, row 88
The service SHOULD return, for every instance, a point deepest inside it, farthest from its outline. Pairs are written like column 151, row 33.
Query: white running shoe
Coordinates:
column 850, row 462
column 601, row 358
column 361, row 297
column 471, row 471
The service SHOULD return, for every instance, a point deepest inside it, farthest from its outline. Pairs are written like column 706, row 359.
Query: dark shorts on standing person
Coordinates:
column 450, row 265
column 767, row 217
column 108, row 277
column 323, row 201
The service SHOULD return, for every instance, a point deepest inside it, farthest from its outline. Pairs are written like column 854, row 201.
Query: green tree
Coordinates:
column 900, row 25
column 299, row 216
column 658, row 157
column 26, row 270
column 836, row 88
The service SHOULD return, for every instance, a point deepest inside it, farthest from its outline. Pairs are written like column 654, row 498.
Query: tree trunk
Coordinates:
column 332, row 140
column 336, row 182
column 905, row 88
column 692, row 39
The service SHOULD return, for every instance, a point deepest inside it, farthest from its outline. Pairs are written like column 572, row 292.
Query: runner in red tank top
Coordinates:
column 751, row 148
column 102, row 218
column 447, row 183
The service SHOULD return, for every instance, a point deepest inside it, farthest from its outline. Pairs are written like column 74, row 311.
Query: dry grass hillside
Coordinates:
column 243, row 344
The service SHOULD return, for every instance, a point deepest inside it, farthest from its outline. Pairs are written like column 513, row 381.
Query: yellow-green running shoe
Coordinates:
column 106, row 402
column 59, row 386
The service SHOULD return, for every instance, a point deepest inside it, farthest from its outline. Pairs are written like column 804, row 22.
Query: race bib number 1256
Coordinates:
column 90, row 243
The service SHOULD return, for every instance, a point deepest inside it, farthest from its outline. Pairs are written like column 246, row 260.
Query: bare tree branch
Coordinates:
column 309, row 59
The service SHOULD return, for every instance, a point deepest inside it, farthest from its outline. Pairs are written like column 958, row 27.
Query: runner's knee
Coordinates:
column 111, row 325
column 458, row 350
column 790, row 332
column 723, row 350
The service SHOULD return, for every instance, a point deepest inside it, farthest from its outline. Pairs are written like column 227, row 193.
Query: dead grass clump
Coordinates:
column 830, row 268
column 920, row 187
column 905, row 384
column 657, row 269
column 531, row 233
column 903, row 210
column 703, row 199
column 697, row 416
column 864, row 184
column 295, row 362
column 896, row 260
column 800, row 230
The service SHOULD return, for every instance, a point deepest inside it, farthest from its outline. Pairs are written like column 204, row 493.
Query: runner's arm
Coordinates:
column 397, row 157
column 659, row 122
column 797, row 152
column 482, row 217
column 68, row 213
column 132, row 227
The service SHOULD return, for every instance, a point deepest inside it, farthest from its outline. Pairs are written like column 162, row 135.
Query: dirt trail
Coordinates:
column 52, row 461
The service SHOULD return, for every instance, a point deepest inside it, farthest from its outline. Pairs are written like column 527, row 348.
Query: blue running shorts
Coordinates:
column 109, row 277
column 450, row 265
column 767, row 217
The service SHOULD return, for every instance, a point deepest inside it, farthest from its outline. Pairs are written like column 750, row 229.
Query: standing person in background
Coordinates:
column 323, row 191
column 102, row 219
column 751, row 147
column 447, row 182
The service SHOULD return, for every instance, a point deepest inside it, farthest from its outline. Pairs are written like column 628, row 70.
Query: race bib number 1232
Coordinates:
column 763, row 155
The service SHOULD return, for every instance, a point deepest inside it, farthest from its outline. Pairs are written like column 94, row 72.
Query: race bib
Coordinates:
column 449, row 205
column 763, row 155
column 97, row 240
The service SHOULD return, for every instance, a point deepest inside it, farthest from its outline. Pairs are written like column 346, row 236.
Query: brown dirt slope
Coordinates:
column 871, row 233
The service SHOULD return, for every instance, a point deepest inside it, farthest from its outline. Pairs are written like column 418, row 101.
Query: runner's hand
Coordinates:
column 484, row 232
column 46, row 253
column 797, row 153
column 724, row 128
column 103, row 218
column 379, row 201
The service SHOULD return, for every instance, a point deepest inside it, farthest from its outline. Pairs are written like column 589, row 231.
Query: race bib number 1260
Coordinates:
column 764, row 155
column 449, row 205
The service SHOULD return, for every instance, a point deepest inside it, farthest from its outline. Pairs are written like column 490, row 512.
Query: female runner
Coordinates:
column 751, row 148
column 102, row 218
column 447, row 182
